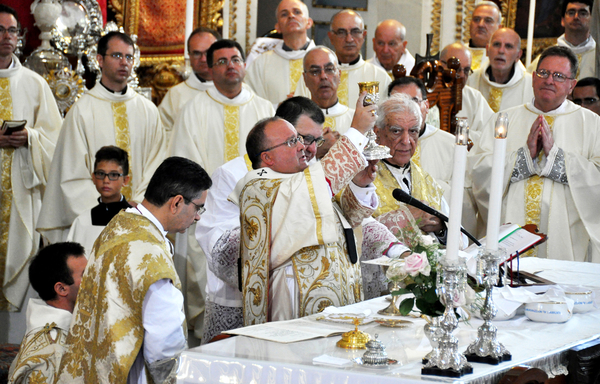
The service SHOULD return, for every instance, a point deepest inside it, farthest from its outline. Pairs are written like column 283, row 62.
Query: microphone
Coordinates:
column 405, row 198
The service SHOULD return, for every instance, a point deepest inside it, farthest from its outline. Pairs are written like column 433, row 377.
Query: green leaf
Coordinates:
column 401, row 291
column 406, row 306
column 430, row 296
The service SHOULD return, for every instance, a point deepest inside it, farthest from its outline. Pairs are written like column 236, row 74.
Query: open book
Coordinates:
column 291, row 331
column 10, row 126
column 513, row 239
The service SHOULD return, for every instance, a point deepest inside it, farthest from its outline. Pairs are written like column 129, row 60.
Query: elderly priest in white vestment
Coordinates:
column 274, row 74
column 304, row 231
column 486, row 19
column 199, row 81
column 347, row 35
column 552, row 167
column 111, row 113
column 389, row 45
column 503, row 80
column 25, row 157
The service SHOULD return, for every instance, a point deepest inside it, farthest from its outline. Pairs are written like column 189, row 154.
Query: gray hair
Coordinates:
column 323, row 48
column 397, row 103
column 491, row 4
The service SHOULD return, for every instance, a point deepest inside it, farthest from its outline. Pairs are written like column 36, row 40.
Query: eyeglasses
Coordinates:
column 223, row 62
column 557, row 76
column 119, row 56
column 309, row 139
column 586, row 101
column 467, row 71
column 583, row 13
column 199, row 208
column 291, row 142
column 12, row 31
column 329, row 70
column 343, row 33
column 100, row 175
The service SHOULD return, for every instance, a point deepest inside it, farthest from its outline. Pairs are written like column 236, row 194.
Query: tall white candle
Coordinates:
column 458, row 185
column 495, row 203
column 189, row 24
column 530, row 27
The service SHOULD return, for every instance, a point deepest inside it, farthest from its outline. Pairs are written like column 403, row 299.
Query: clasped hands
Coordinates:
column 540, row 138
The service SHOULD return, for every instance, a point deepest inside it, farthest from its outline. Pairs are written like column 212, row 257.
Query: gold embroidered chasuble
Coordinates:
column 350, row 76
column 394, row 214
column 24, row 95
column 290, row 220
column 274, row 74
column 211, row 129
column 566, row 212
column 43, row 346
column 97, row 119
column 107, row 331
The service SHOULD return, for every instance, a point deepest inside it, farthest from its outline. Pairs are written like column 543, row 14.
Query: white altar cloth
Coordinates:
column 248, row 360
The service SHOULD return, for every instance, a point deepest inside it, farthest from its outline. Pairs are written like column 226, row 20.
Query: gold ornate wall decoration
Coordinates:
column 469, row 7
column 161, row 77
column 248, row 25
column 459, row 19
column 436, row 21
column 538, row 46
column 118, row 7
column 509, row 13
column 211, row 15
column 232, row 19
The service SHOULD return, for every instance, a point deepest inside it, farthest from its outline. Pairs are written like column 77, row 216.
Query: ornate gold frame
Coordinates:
column 509, row 17
column 315, row 5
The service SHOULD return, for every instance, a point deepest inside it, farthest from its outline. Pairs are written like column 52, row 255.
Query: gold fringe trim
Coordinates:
column 122, row 140
column 6, row 155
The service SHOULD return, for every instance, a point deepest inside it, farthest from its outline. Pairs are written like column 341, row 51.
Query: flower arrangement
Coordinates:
column 418, row 273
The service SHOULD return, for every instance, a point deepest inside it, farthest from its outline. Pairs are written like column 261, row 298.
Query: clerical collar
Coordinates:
column 352, row 62
column 288, row 49
column 488, row 71
column 124, row 91
column 579, row 45
column 404, row 168
column 103, row 213
column 333, row 106
column 199, row 78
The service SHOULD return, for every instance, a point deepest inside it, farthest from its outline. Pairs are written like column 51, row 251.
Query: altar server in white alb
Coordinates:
column 199, row 81
column 274, row 74
column 111, row 113
column 25, row 158
column 503, row 80
column 212, row 127
column 322, row 78
column 55, row 274
column 576, row 17
column 389, row 45
column 347, row 35
column 551, row 172
column 486, row 19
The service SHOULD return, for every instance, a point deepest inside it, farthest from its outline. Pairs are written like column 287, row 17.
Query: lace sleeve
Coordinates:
column 225, row 255
column 523, row 166
column 556, row 168
column 376, row 240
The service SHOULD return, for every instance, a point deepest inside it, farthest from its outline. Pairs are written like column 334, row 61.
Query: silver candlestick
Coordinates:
column 448, row 361
column 486, row 349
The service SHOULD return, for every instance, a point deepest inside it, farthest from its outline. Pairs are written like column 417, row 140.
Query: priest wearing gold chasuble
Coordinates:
column 301, row 257
column 25, row 161
column 128, row 323
column 552, row 166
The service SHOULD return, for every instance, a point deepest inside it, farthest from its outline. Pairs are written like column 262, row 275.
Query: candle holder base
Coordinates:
column 434, row 371
column 492, row 360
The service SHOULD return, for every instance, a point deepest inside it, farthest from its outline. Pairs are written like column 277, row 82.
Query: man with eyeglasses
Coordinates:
column 198, row 43
column 274, row 74
column 211, row 129
column 25, row 156
column 304, row 231
column 347, row 35
column 111, row 113
column 503, row 80
column 551, row 173
column 587, row 94
column 474, row 106
column 322, row 78
column 576, row 17
column 389, row 45
column 128, row 322
column 486, row 19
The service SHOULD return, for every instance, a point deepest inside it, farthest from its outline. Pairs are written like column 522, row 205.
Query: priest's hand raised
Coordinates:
column 364, row 116
column 367, row 175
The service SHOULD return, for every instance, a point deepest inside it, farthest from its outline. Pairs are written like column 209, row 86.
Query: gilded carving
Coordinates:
column 436, row 21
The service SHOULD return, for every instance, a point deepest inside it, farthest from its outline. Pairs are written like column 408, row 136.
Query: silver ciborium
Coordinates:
column 486, row 349
column 372, row 151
